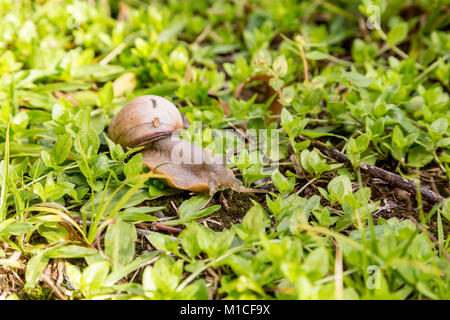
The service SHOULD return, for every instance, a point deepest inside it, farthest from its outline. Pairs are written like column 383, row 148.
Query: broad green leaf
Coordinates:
column 61, row 149
column 93, row 276
column 116, row 275
column 17, row 228
column 69, row 251
column 35, row 267
column 119, row 243
column 134, row 166
column 191, row 209
column 163, row 242
column 74, row 275
column 398, row 33
column 253, row 224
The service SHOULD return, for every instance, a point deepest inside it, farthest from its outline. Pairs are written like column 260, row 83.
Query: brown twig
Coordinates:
column 165, row 228
column 389, row 177
column 305, row 64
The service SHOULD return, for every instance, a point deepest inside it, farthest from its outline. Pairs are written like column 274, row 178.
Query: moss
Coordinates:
column 38, row 293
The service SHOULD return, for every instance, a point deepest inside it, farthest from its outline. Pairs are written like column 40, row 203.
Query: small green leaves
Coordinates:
column 340, row 187
column 356, row 147
column 283, row 184
column 197, row 238
column 400, row 143
column 419, row 157
column 312, row 163
column 52, row 189
column 179, row 57
column 133, row 166
column 293, row 127
column 161, row 280
column 74, row 275
column 139, row 213
column 106, row 95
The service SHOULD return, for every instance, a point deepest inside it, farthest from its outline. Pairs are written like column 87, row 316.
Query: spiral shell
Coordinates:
column 144, row 119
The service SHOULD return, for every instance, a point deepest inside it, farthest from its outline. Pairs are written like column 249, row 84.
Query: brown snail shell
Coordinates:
column 151, row 121
column 143, row 119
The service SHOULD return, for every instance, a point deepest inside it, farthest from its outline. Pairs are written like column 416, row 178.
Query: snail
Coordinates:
column 153, row 122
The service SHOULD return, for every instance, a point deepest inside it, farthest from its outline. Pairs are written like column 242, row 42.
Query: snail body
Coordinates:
column 152, row 121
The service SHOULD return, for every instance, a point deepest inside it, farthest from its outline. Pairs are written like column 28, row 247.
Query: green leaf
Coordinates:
column 69, row 251
column 316, row 263
column 100, row 166
column 106, row 95
column 93, row 276
column 53, row 232
column 74, row 275
column 439, row 126
column 286, row 116
column 17, row 228
column 316, row 55
column 419, row 157
column 280, row 66
column 97, row 72
column 139, row 214
column 276, row 83
column 118, row 274
column 119, row 243
column 161, row 280
column 188, row 239
column 191, row 209
column 253, row 224
column 114, row 199
column 133, row 166
column 397, row 34
column 339, row 187
column 287, row 95
column 61, row 149
column 358, row 79
column 35, row 267
column 163, row 242
column 283, row 184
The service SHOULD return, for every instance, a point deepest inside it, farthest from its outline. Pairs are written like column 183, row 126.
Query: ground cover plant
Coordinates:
column 353, row 91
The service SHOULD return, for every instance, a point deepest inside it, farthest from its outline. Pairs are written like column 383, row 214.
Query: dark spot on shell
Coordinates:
column 153, row 103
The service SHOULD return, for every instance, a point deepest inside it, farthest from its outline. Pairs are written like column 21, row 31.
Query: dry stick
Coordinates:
column 166, row 228
column 338, row 272
column 305, row 64
column 389, row 177
column 53, row 287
